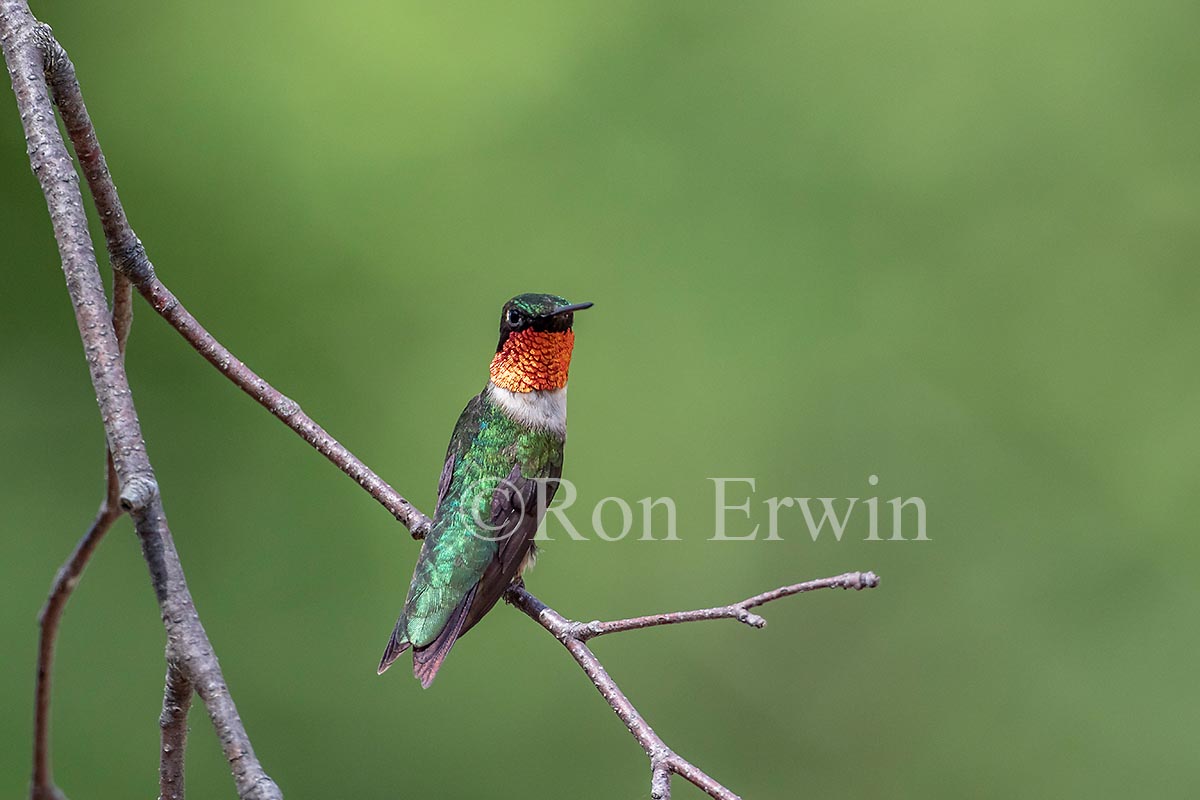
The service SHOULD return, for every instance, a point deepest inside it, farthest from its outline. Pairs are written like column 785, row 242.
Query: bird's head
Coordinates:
column 536, row 339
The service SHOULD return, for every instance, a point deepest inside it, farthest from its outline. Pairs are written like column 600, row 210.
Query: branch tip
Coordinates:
column 862, row 580
column 751, row 619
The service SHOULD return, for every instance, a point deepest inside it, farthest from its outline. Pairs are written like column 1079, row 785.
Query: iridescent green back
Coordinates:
column 486, row 445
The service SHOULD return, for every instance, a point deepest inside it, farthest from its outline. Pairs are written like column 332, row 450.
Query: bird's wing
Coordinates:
column 518, row 505
column 516, row 511
column 398, row 643
column 446, row 477
column 516, row 508
column 464, row 429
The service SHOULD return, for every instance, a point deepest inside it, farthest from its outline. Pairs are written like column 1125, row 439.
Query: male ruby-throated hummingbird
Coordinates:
column 502, row 469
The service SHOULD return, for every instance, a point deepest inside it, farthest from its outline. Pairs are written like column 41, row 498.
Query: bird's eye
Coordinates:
column 514, row 316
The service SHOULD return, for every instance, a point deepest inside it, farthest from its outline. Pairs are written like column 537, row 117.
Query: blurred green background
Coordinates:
column 953, row 245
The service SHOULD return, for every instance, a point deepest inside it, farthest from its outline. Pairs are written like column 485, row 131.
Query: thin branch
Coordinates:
column 282, row 407
column 28, row 51
column 663, row 760
column 188, row 646
column 177, row 699
column 129, row 260
column 739, row 611
column 43, row 787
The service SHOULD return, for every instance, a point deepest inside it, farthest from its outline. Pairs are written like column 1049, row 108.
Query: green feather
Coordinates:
column 486, row 445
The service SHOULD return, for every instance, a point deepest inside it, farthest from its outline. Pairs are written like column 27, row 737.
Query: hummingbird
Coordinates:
column 501, row 471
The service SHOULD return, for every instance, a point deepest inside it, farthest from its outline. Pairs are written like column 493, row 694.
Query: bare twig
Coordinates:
column 43, row 787
column 129, row 260
column 663, row 760
column 177, row 699
column 739, row 611
column 284, row 408
column 189, row 655
column 28, row 51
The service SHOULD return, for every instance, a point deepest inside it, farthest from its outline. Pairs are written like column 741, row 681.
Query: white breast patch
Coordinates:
column 546, row 410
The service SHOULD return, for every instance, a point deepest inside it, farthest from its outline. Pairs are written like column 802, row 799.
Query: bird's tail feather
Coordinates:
column 395, row 646
column 428, row 660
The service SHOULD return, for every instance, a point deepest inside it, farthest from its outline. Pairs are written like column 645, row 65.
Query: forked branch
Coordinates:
column 30, row 53
column 43, row 786
column 663, row 760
